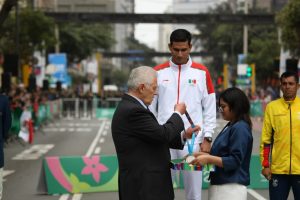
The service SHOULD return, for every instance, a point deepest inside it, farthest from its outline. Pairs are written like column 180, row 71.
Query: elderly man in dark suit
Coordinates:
column 5, row 123
column 142, row 144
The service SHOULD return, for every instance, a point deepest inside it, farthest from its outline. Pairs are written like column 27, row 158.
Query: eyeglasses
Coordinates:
column 220, row 109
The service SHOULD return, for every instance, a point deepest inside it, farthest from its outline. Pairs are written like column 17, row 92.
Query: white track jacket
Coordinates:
column 189, row 83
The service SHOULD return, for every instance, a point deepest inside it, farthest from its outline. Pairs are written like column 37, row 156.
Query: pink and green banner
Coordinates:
column 99, row 173
column 81, row 174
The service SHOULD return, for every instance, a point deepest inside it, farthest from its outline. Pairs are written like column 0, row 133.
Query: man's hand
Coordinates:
column 189, row 132
column 267, row 173
column 180, row 107
column 205, row 146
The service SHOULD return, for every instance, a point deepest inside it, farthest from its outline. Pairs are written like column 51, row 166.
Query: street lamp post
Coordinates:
column 245, row 44
column 18, row 41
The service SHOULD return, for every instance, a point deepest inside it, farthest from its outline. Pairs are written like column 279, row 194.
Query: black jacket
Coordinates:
column 142, row 147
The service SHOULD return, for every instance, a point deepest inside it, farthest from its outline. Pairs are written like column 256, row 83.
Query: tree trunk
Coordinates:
column 6, row 8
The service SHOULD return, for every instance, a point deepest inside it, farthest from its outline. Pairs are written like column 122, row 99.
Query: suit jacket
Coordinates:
column 142, row 146
column 5, row 123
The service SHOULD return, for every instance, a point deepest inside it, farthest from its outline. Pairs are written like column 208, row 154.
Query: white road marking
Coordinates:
column 74, row 124
column 101, row 140
column 34, row 152
column 6, row 173
column 96, row 139
column 104, row 133
column 77, row 196
column 97, row 150
column 64, row 197
column 67, row 129
column 91, row 149
column 255, row 195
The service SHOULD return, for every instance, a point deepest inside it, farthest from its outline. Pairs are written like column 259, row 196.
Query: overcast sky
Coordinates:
column 148, row 33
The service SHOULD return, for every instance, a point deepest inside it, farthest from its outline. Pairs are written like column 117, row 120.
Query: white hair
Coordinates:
column 141, row 75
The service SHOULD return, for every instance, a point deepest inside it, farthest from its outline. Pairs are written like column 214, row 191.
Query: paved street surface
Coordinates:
column 74, row 137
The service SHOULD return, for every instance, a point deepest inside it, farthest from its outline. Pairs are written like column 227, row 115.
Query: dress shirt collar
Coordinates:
column 139, row 100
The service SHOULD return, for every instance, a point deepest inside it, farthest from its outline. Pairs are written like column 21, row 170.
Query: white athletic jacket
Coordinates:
column 189, row 83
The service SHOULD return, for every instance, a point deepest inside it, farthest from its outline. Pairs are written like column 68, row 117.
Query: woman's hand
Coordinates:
column 196, row 154
column 201, row 159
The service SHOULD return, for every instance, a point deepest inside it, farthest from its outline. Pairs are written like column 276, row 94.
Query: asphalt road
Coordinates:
column 71, row 137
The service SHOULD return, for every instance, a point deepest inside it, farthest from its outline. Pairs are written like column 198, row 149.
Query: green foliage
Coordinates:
column 263, row 49
column 134, row 44
column 119, row 77
column 36, row 32
column 226, row 42
column 289, row 21
column 81, row 40
column 222, row 40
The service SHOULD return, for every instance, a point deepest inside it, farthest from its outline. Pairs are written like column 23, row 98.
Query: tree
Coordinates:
column 289, row 21
column 119, row 77
column 263, row 49
column 226, row 42
column 80, row 40
column 222, row 40
column 36, row 33
column 134, row 44
column 5, row 10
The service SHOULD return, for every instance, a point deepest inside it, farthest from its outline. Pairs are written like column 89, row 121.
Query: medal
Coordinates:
column 189, row 159
column 190, row 145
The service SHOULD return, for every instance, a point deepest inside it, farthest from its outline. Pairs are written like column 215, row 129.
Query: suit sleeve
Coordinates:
column 146, row 127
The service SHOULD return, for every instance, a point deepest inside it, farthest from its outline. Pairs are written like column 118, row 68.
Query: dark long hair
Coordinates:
column 238, row 103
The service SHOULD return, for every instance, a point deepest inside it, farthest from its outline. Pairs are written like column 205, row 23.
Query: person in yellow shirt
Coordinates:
column 280, row 139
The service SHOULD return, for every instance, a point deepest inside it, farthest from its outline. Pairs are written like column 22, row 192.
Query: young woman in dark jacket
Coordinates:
column 231, row 150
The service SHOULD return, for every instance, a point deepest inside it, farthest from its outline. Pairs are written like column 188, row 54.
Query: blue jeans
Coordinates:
column 280, row 185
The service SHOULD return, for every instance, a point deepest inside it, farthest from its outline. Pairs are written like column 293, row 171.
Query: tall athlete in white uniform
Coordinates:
column 182, row 80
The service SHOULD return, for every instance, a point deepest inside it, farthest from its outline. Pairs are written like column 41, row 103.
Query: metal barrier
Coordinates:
column 82, row 108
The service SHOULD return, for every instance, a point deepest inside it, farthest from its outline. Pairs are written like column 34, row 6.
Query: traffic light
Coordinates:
column 249, row 71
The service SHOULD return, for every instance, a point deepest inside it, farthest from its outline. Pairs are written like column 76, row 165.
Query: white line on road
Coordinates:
column 101, row 140
column 77, row 197
column 34, row 152
column 94, row 143
column 67, row 129
column 64, row 197
column 104, row 133
column 88, row 153
column 97, row 150
column 256, row 195
column 6, row 173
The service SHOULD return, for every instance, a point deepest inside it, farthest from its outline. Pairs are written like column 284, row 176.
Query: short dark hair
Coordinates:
column 289, row 74
column 238, row 103
column 180, row 35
